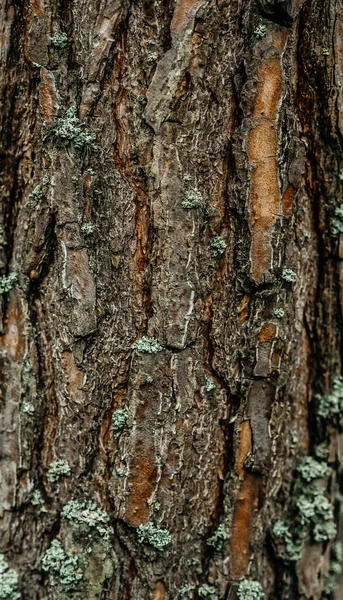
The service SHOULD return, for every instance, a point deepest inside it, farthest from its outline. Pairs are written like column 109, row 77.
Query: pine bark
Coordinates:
column 190, row 194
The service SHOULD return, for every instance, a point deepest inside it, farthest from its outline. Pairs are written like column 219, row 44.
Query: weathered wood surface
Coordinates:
column 215, row 166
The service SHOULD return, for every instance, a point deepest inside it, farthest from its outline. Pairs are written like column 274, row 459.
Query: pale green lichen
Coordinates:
column 218, row 246
column 279, row 313
column 337, row 221
column 7, row 282
column 219, row 538
column 336, row 567
column 154, row 536
column 119, row 419
column 185, row 590
column 149, row 379
column 40, row 190
column 64, row 569
column 209, row 385
column 87, row 228
column 28, row 409
column 250, row 590
column 147, row 345
column 36, row 498
column 3, row 241
column 192, row 199
column 9, row 580
column 311, row 512
column 260, row 31
column 60, row 40
column 57, row 469
column 85, row 514
column 331, row 405
column 289, row 276
column 70, row 130
column 310, row 468
column 207, row 591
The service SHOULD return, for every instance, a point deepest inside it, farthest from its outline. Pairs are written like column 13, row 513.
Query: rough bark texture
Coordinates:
column 197, row 198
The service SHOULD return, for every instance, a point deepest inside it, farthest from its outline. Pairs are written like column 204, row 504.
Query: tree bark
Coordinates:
column 171, row 298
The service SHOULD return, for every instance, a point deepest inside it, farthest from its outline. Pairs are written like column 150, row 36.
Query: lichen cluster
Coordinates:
column 85, row 514
column 147, row 345
column 119, row 419
column 219, row 538
column 156, row 537
column 9, row 580
column 330, row 406
column 337, row 221
column 289, row 276
column 207, row 591
column 68, row 129
column 311, row 513
column 60, row 40
column 209, row 385
column 7, row 282
column 218, row 246
column 192, row 199
column 63, row 568
column 249, row 589
column 57, row 469
column 40, row 190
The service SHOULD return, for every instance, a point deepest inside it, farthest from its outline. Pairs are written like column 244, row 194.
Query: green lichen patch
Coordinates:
column 7, row 282
column 119, row 419
column 3, row 241
column 219, row 538
column 87, row 229
column 289, row 276
column 147, row 345
column 192, row 199
column 36, row 498
column 57, row 470
column 250, row 590
column 9, row 580
column 218, row 246
column 68, row 129
column 279, row 313
column 331, row 405
column 207, row 591
column 337, row 221
column 85, row 514
column 60, row 40
column 310, row 468
column 63, row 569
column 209, row 385
column 28, row 409
column 153, row 536
column 186, row 590
column 311, row 513
column 40, row 190
column 336, row 568
column 260, row 31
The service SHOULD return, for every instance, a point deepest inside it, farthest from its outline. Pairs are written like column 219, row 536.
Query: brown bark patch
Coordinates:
column 159, row 592
column 267, row 332
column 184, row 11
column 13, row 340
column 141, row 483
column 242, row 525
column 74, row 377
column 287, row 200
column 244, row 448
column 47, row 96
column 37, row 7
column 244, row 308
column 262, row 151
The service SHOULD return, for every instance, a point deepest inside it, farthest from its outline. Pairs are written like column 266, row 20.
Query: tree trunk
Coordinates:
column 171, row 297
